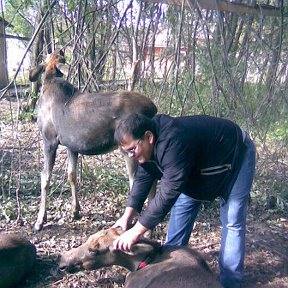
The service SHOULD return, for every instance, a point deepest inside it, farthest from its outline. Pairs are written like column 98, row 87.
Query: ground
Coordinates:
column 102, row 192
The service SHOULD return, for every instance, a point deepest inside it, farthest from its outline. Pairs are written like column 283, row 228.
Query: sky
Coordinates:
column 15, row 52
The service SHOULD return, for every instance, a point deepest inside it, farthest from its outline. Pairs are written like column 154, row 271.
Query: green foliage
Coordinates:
column 110, row 179
column 106, row 176
column 21, row 14
column 27, row 116
column 7, row 209
column 279, row 131
column 71, row 5
column 4, row 185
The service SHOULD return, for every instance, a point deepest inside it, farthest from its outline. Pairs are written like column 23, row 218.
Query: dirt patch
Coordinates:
column 267, row 243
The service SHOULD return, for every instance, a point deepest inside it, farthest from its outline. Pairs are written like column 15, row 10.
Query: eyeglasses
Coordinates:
column 131, row 151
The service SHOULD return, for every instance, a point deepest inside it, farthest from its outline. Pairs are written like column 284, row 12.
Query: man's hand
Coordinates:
column 127, row 239
column 125, row 221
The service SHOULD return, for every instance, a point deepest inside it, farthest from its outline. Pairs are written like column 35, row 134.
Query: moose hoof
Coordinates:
column 76, row 215
column 37, row 227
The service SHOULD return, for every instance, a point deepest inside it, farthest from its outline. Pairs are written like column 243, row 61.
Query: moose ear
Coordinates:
column 63, row 68
column 94, row 246
column 114, row 232
column 142, row 248
column 34, row 73
column 62, row 52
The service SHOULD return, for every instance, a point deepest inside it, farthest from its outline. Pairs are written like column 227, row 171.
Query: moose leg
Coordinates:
column 131, row 166
column 49, row 160
column 72, row 178
column 149, row 233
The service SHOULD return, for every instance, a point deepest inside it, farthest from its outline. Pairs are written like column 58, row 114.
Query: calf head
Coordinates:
column 53, row 66
column 98, row 252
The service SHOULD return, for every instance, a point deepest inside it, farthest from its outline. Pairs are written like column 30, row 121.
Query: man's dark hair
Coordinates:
column 135, row 125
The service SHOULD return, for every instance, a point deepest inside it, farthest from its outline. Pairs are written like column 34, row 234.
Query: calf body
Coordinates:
column 17, row 257
column 168, row 267
column 83, row 122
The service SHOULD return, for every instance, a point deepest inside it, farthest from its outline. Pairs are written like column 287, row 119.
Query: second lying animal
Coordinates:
column 151, row 264
column 17, row 258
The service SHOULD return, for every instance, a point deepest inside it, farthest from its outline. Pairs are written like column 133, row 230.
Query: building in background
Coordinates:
column 3, row 54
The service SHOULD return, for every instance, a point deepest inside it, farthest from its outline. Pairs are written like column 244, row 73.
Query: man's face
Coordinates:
column 140, row 149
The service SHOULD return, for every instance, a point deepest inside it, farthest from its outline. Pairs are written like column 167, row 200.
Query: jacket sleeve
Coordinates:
column 140, row 189
column 176, row 163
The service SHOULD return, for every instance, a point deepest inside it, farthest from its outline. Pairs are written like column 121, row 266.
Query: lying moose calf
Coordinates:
column 167, row 267
column 17, row 257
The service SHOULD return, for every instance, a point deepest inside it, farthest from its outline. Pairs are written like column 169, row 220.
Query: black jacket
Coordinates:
column 196, row 155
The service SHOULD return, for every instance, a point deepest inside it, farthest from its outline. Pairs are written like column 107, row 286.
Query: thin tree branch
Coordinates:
column 4, row 90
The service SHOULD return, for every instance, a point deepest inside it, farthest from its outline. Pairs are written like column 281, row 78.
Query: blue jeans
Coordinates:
column 233, row 219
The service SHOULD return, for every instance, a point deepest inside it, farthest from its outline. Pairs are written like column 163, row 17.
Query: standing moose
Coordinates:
column 83, row 122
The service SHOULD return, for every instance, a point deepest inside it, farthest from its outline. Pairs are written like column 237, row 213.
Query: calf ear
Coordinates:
column 138, row 249
column 35, row 72
column 63, row 68
column 62, row 52
column 142, row 248
column 94, row 250
column 115, row 232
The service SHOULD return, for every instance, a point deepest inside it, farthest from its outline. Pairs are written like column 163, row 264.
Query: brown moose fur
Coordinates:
column 17, row 257
column 170, row 267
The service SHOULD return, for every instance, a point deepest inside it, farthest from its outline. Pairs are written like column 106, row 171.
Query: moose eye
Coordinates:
column 93, row 252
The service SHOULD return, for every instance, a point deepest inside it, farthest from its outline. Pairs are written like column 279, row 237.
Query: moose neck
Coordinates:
column 130, row 262
column 138, row 259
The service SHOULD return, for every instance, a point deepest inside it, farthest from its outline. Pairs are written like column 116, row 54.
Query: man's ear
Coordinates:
column 150, row 136
column 63, row 68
